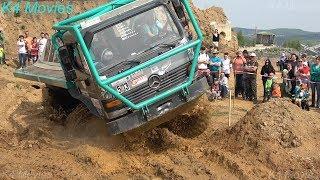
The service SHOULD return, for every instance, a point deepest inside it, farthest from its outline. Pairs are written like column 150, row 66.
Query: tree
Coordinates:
column 294, row 44
column 241, row 39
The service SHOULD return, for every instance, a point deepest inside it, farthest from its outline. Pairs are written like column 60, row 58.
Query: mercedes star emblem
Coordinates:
column 154, row 81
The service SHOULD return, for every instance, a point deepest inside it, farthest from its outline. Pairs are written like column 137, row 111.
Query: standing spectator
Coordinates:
column 282, row 61
column 250, row 69
column 216, row 39
column 1, row 37
column 293, row 61
column 22, row 51
column 203, row 61
column 215, row 64
column 42, row 42
column 266, row 72
column 304, row 58
column 46, row 35
column 34, row 50
column 28, row 40
column 276, row 91
column 245, row 54
column 304, row 72
column 238, row 65
column 2, row 60
column 226, row 65
column 315, row 85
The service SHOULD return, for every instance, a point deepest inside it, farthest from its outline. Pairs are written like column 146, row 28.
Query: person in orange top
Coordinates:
column 238, row 67
column 276, row 91
column 28, row 39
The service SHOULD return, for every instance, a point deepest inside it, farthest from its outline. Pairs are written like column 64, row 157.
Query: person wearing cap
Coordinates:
column 250, row 78
column 238, row 64
column 215, row 64
column 203, row 70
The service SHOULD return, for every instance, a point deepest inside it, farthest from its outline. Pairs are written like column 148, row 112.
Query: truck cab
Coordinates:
column 128, row 62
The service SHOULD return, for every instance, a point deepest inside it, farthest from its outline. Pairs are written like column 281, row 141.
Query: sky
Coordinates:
column 268, row 14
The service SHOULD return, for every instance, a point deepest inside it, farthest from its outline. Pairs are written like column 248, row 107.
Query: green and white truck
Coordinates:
column 128, row 61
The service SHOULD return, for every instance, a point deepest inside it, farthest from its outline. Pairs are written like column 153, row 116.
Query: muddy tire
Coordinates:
column 77, row 119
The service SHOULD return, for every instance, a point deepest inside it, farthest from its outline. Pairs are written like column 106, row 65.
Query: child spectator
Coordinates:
column 226, row 65
column 34, row 50
column 301, row 97
column 203, row 61
column 22, row 51
column 2, row 60
column 276, row 91
column 224, row 86
column 268, row 87
column 215, row 92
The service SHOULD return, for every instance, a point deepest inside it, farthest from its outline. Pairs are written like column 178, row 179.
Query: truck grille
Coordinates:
column 168, row 80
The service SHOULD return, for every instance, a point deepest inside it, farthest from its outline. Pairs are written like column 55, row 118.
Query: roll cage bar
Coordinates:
column 74, row 27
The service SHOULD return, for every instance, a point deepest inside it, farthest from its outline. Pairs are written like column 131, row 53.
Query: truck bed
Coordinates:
column 45, row 72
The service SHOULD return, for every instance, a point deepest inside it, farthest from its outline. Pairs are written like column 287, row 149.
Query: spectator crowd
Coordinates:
column 30, row 49
column 300, row 76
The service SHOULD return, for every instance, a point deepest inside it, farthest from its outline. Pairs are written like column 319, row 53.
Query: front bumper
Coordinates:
column 159, row 112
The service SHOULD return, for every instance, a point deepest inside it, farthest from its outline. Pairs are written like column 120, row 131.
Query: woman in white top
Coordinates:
column 42, row 45
column 22, row 51
column 226, row 65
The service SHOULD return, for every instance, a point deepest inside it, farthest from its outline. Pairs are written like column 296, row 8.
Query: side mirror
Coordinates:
column 66, row 57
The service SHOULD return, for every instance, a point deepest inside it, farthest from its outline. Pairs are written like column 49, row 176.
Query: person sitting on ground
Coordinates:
column 2, row 60
column 215, row 92
column 203, row 70
column 276, row 91
column 301, row 97
column 224, row 85
column 226, row 65
column 215, row 64
column 268, row 87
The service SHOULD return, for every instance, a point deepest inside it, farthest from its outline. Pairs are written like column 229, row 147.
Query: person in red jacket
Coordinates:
column 34, row 50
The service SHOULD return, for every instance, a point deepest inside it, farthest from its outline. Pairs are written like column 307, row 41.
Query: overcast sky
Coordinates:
column 266, row 14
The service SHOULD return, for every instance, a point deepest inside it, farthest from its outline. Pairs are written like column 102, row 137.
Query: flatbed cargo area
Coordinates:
column 44, row 72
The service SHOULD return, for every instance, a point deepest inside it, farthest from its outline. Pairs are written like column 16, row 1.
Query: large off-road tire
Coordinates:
column 77, row 119
column 55, row 98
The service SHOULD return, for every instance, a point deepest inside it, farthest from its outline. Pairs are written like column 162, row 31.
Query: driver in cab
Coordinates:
column 153, row 27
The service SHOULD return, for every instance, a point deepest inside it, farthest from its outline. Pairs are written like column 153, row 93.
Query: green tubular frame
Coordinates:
column 70, row 25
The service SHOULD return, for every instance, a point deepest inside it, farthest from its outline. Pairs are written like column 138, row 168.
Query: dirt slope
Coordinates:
column 198, row 145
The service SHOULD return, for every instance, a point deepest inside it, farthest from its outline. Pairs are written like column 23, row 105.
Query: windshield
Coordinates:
column 124, row 41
